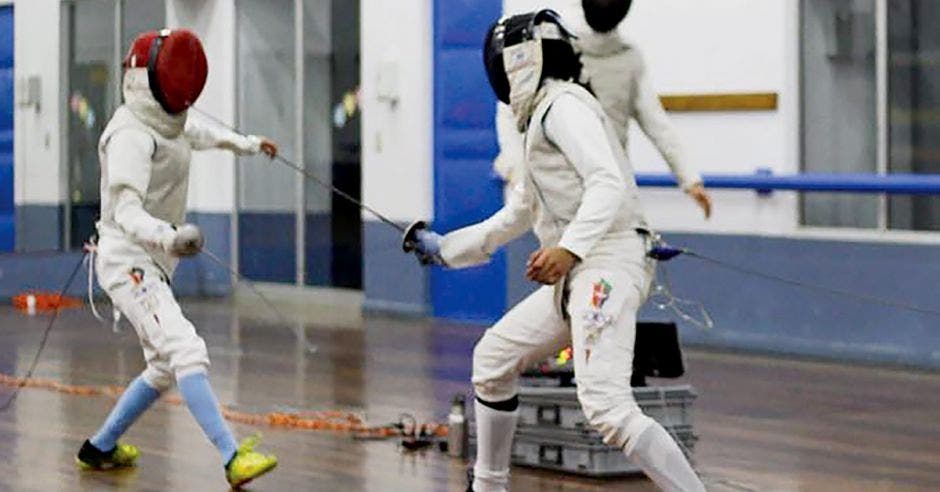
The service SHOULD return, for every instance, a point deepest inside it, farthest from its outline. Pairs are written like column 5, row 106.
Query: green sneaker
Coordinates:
column 92, row 458
column 248, row 464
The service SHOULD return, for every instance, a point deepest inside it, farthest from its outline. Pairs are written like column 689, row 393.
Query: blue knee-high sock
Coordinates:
column 136, row 399
column 205, row 408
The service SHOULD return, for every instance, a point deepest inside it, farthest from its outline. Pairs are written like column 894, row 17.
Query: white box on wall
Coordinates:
column 38, row 169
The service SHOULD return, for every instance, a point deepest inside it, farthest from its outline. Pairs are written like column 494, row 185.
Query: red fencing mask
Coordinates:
column 176, row 66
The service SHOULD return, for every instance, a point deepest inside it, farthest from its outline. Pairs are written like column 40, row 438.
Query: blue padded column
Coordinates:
column 464, row 147
column 6, row 129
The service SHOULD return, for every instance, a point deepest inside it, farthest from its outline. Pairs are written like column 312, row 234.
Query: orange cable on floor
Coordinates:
column 328, row 420
column 44, row 301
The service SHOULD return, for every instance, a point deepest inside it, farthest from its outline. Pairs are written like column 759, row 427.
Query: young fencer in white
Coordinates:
column 576, row 191
column 145, row 157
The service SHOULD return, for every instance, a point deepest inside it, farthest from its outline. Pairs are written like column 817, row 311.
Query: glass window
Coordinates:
column 267, row 195
column 94, row 74
column 271, row 212
column 92, row 97
column 839, row 129
column 914, row 107
column 318, row 139
column 332, row 142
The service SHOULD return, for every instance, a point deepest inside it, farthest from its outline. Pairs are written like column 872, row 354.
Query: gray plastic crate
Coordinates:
column 579, row 452
column 558, row 407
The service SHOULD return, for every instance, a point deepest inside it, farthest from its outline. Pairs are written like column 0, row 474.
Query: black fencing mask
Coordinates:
column 605, row 15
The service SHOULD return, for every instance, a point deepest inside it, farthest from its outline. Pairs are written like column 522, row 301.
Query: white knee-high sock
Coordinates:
column 495, row 430
column 658, row 455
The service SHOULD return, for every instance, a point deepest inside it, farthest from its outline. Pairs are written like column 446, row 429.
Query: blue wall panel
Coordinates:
column 753, row 313
column 6, row 141
column 7, row 220
column 7, row 226
column 466, row 195
column 465, row 99
column 6, row 184
column 6, row 36
column 318, row 249
column 464, row 22
column 392, row 282
column 267, row 246
column 199, row 276
column 31, row 238
column 759, row 314
column 46, row 271
column 6, row 94
column 464, row 146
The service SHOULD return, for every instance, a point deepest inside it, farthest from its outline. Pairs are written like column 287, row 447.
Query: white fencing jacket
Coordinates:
column 144, row 154
column 617, row 74
column 576, row 188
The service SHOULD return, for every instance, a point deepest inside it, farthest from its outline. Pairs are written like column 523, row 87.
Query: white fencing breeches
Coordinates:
column 169, row 341
column 599, row 322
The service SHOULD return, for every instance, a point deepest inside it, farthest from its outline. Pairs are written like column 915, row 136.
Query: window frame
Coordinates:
column 882, row 231
column 66, row 58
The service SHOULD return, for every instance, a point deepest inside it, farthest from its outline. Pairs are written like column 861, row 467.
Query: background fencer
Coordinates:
column 616, row 73
column 145, row 155
column 618, row 77
column 577, row 192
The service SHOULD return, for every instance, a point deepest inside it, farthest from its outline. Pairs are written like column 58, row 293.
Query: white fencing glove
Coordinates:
column 185, row 240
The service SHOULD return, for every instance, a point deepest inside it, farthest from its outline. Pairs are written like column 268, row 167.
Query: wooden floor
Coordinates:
column 766, row 424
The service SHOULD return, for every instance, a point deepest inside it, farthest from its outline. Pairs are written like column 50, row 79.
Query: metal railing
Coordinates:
column 898, row 184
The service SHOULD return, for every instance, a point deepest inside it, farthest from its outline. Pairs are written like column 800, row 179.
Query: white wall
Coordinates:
column 397, row 154
column 693, row 46
column 37, row 140
column 724, row 46
column 212, row 179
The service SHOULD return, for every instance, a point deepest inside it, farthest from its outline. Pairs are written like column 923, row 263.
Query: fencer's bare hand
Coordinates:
column 268, row 147
column 548, row 265
column 187, row 241
column 701, row 197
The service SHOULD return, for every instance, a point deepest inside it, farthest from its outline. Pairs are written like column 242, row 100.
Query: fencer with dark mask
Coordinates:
column 575, row 188
column 145, row 159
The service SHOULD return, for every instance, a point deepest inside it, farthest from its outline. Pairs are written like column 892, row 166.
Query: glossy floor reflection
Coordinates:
column 765, row 423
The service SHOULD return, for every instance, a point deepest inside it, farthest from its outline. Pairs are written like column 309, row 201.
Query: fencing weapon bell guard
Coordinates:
column 409, row 240
column 176, row 66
